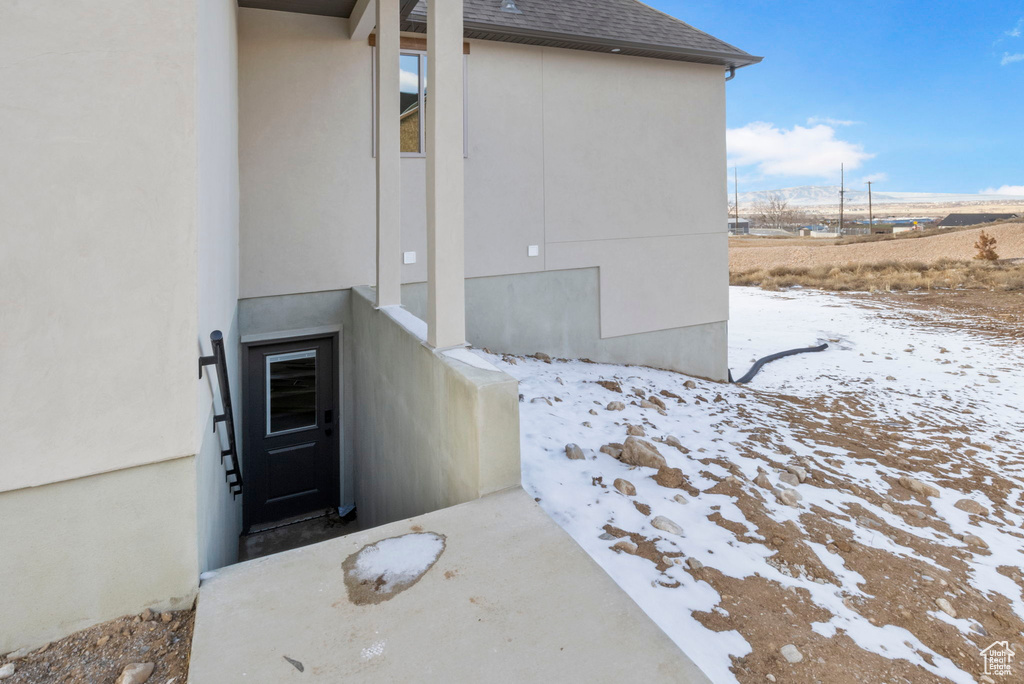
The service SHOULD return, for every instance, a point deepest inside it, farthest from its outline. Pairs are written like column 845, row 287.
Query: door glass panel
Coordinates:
column 291, row 391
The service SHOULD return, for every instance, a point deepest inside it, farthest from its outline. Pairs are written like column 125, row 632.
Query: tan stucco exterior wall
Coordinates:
column 218, row 513
column 98, row 237
column 307, row 171
column 118, row 247
column 601, row 160
column 79, row 552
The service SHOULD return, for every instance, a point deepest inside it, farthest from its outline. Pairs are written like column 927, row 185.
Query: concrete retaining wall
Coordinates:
column 431, row 430
column 558, row 312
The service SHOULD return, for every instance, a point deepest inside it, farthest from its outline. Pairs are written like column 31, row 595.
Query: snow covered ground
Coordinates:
column 780, row 517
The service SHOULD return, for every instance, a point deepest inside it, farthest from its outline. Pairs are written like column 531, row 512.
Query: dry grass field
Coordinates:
column 889, row 276
column 942, row 261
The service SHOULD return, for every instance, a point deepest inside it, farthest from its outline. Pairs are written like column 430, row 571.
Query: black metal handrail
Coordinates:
column 226, row 416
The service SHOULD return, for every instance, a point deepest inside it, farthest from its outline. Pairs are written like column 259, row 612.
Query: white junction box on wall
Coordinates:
column 533, row 250
column 409, row 257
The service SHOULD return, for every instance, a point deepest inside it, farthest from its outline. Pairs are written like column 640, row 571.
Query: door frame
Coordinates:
column 265, row 340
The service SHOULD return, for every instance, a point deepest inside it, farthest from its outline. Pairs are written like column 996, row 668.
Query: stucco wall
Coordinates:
column 98, row 246
column 79, row 552
column 119, row 200
column 307, row 172
column 431, row 431
column 601, row 160
column 218, row 514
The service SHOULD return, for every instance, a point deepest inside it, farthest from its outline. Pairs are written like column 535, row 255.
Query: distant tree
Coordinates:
column 986, row 246
column 774, row 213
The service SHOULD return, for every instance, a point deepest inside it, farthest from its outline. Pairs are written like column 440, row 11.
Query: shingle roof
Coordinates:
column 974, row 219
column 629, row 26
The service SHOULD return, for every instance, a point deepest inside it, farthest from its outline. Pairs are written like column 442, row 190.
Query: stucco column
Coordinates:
column 389, row 157
column 446, row 297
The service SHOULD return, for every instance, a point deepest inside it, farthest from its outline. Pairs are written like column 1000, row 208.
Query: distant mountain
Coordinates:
column 827, row 195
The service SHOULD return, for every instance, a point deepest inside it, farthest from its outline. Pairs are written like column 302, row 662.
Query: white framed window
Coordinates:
column 413, row 97
column 291, row 392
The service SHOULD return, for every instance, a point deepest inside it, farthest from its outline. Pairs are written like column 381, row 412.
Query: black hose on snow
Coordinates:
column 772, row 357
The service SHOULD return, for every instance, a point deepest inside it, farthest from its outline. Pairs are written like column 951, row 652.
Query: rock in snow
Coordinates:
column 624, row 486
column 615, row 406
column 614, row 450
column 971, row 506
column 665, row 525
column 639, row 452
column 790, row 479
column 625, row 546
column 762, row 480
column 135, row 673
column 918, row 487
column 791, row 654
column 574, row 453
column 790, row 497
column 801, row 473
column 975, row 540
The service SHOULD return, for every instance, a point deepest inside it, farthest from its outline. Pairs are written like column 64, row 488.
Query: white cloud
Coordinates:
column 1017, row 30
column 801, row 151
column 875, row 178
column 816, row 120
column 1010, row 59
column 409, row 82
column 1005, row 190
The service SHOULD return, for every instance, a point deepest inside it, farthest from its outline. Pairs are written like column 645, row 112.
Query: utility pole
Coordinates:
column 736, row 201
column 842, row 195
column 871, row 213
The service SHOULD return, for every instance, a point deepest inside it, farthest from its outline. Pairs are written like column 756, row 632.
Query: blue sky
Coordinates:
column 922, row 96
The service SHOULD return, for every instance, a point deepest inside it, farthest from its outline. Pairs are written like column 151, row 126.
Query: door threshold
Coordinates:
column 296, row 532
column 294, row 520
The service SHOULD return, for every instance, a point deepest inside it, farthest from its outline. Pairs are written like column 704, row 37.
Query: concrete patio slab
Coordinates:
column 512, row 598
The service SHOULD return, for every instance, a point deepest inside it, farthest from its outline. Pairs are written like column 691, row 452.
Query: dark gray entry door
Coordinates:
column 291, row 439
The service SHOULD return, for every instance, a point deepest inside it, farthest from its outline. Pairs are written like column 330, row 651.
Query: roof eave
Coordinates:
column 727, row 59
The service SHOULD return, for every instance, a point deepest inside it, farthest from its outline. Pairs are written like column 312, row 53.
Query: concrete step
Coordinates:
column 512, row 598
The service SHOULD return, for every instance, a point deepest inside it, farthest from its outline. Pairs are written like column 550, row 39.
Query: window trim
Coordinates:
column 422, row 75
column 269, row 360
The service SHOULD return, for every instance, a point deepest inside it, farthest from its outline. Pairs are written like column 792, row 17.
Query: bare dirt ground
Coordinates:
column 99, row 654
column 747, row 254
column 897, row 556
column 999, row 315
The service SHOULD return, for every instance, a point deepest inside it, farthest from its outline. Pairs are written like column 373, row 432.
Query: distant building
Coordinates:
column 957, row 220
column 740, row 226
